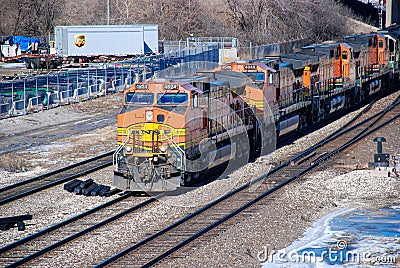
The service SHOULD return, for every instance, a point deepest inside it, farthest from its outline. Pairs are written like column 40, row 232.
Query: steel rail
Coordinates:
column 51, row 173
column 78, row 234
column 61, row 224
column 263, row 195
column 55, row 182
column 339, row 133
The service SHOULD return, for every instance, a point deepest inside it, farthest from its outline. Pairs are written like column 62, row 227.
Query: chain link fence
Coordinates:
column 271, row 50
column 32, row 93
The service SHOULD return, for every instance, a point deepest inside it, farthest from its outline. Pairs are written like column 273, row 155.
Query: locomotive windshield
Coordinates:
column 139, row 98
column 256, row 77
column 172, row 98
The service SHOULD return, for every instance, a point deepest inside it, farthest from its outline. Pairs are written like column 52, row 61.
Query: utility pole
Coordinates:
column 108, row 12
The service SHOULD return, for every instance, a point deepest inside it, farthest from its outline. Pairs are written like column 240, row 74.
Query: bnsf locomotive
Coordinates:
column 170, row 132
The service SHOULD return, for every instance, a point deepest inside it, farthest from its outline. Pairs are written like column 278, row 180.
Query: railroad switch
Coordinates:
column 381, row 160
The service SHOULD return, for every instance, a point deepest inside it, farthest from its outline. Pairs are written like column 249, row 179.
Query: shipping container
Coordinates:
column 98, row 40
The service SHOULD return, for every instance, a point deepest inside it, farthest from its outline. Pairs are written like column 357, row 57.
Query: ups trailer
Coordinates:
column 106, row 40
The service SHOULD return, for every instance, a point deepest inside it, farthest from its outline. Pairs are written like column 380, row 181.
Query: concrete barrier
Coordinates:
column 5, row 109
column 53, row 100
column 80, row 94
column 93, row 91
column 18, row 107
column 34, row 105
column 66, row 96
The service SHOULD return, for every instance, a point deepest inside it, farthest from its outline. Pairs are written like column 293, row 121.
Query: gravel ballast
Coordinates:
column 281, row 221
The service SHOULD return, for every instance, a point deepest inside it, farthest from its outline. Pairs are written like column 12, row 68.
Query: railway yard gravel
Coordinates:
column 277, row 222
column 52, row 206
column 60, row 136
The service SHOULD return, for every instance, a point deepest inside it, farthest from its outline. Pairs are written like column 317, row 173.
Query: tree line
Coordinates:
column 258, row 21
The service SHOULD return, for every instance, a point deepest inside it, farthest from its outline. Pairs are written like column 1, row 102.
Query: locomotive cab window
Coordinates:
column 374, row 43
column 139, row 98
column 344, row 55
column 270, row 79
column 256, row 77
column 337, row 53
column 380, row 44
column 172, row 98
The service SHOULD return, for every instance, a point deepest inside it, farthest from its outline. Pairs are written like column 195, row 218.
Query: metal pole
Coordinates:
column 68, row 89
column 12, row 96
column 88, row 82
column 380, row 10
column 96, row 81
column 77, row 85
column 105, row 79
column 58, row 85
column 36, row 84
column 122, row 75
column 251, row 56
column 24, row 95
column 108, row 12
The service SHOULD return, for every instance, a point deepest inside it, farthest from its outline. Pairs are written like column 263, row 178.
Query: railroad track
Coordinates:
column 22, row 140
column 180, row 234
column 46, row 240
column 31, row 248
column 53, row 178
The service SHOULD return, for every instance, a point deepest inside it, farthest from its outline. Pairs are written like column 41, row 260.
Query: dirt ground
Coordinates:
column 60, row 136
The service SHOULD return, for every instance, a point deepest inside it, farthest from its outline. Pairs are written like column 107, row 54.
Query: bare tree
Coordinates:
column 266, row 21
column 30, row 17
column 259, row 21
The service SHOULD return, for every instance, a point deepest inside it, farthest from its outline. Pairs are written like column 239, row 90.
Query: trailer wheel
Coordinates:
column 30, row 64
column 27, row 63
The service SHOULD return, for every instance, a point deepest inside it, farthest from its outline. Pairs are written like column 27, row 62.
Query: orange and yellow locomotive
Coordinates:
column 170, row 132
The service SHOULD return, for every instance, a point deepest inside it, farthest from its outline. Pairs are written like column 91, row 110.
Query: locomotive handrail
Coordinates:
column 180, row 153
column 119, row 149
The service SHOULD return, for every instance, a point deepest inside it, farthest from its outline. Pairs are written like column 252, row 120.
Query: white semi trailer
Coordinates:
column 89, row 43
column 106, row 40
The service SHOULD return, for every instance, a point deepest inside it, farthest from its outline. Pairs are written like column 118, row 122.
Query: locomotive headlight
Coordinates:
column 163, row 149
column 128, row 149
column 149, row 115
